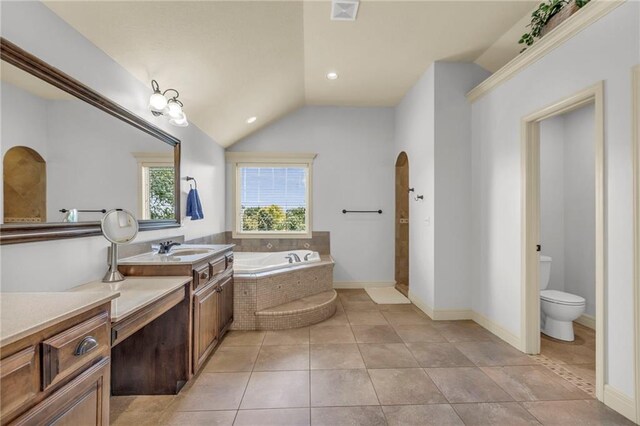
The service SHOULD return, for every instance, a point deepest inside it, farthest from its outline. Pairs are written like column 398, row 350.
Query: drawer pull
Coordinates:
column 88, row 344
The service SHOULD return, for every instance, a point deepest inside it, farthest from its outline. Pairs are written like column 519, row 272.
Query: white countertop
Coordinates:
column 175, row 257
column 22, row 314
column 135, row 292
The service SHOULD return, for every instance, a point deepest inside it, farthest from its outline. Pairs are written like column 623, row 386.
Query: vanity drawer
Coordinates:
column 218, row 266
column 66, row 352
column 201, row 275
column 19, row 380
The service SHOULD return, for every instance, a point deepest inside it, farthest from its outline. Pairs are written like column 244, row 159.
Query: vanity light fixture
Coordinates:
column 332, row 75
column 161, row 104
column 251, row 120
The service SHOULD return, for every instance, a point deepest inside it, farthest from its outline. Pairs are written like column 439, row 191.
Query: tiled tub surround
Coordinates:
column 295, row 296
column 320, row 241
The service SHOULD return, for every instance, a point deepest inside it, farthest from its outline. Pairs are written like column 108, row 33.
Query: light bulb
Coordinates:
column 251, row 120
column 332, row 75
column 157, row 102
column 174, row 110
column 181, row 121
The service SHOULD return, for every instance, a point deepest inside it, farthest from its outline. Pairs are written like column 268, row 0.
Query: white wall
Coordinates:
column 57, row 265
column 579, row 211
column 606, row 50
column 452, row 168
column 433, row 128
column 354, row 170
column 415, row 135
column 552, row 199
column 567, row 202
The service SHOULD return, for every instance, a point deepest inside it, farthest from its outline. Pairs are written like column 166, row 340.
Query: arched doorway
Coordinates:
column 25, row 186
column 402, row 224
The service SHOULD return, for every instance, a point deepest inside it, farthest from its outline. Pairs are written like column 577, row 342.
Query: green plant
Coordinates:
column 541, row 16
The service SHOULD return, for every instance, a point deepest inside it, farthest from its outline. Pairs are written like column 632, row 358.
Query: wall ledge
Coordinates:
column 586, row 16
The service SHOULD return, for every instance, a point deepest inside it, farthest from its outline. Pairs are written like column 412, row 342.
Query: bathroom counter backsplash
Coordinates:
column 182, row 254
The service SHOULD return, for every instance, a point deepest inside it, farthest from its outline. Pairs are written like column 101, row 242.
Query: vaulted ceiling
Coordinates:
column 232, row 60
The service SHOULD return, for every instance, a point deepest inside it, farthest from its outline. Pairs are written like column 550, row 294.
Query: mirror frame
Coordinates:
column 24, row 233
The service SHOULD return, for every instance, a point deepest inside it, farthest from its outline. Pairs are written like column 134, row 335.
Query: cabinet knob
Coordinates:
column 87, row 344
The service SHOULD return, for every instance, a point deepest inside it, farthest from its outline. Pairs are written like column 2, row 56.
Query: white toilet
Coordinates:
column 558, row 309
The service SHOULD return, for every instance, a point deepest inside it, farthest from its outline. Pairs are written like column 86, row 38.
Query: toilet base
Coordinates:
column 561, row 330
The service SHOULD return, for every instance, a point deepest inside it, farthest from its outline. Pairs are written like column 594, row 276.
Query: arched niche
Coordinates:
column 25, row 186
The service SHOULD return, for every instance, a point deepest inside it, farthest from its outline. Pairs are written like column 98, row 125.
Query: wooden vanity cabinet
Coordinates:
column 211, row 295
column 225, row 305
column 212, row 316
column 60, row 374
column 205, row 323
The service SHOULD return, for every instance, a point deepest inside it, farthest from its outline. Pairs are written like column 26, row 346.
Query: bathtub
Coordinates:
column 258, row 262
column 272, row 294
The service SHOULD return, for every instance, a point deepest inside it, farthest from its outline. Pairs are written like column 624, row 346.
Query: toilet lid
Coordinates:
column 562, row 298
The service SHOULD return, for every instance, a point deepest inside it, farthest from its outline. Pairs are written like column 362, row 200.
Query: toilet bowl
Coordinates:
column 558, row 308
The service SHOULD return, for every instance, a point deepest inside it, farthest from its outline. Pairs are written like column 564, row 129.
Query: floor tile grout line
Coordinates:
column 250, row 376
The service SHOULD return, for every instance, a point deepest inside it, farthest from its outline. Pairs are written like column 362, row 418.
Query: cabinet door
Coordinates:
column 83, row 401
column 226, row 304
column 205, row 324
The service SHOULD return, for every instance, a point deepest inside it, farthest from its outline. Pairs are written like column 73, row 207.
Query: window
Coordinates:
column 157, row 186
column 272, row 195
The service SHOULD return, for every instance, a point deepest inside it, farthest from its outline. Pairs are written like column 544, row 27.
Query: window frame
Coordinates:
column 238, row 160
column 146, row 160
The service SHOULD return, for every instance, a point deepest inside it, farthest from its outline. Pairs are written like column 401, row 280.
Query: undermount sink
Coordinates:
column 188, row 252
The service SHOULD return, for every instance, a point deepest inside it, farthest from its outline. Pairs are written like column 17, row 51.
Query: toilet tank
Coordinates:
column 545, row 271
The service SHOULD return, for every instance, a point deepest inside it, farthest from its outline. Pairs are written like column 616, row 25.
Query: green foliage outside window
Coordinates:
column 161, row 193
column 273, row 218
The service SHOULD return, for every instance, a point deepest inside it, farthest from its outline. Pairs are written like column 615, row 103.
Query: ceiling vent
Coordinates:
column 344, row 10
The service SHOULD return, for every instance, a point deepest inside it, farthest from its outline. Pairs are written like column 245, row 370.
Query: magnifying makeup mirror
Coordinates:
column 118, row 227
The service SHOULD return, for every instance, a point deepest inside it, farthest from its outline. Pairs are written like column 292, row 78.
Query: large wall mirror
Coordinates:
column 69, row 155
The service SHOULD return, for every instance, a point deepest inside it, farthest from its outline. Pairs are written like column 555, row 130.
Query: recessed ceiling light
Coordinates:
column 332, row 75
column 251, row 120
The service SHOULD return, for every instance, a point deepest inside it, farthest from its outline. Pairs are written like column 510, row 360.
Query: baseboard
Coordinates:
column 452, row 314
column 498, row 330
column 620, row 402
column 420, row 304
column 362, row 284
column 587, row 320
column 440, row 314
column 466, row 314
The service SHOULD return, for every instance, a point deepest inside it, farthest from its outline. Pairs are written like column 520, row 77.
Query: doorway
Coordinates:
column 402, row 224
column 531, row 222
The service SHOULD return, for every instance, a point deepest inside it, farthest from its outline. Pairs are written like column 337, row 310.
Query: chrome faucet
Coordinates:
column 292, row 257
column 306, row 257
column 165, row 248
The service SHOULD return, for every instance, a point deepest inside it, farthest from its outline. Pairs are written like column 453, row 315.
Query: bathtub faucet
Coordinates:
column 292, row 257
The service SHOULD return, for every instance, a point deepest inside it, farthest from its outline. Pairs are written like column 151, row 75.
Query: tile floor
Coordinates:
column 574, row 360
column 372, row 365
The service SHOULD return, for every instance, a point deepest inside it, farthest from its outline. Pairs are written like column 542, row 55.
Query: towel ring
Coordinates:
column 189, row 178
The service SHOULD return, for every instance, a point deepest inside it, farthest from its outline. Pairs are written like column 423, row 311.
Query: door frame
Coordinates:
column 635, row 134
column 530, row 287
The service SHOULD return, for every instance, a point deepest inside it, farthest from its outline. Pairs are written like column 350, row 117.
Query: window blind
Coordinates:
column 273, row 199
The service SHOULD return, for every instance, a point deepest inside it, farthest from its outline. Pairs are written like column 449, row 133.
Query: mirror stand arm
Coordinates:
column 113, row 275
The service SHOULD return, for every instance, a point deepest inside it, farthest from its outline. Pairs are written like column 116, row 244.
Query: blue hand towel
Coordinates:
column 194, row 207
